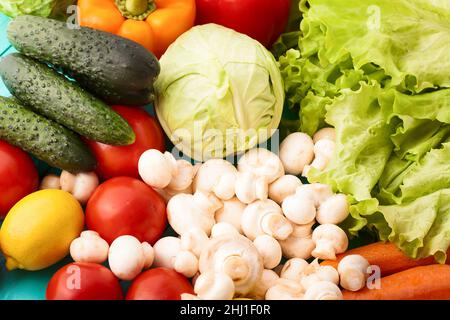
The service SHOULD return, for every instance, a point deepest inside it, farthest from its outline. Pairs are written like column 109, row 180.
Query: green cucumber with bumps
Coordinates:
column 43, row 138
column 117, row 70
column 54, row 96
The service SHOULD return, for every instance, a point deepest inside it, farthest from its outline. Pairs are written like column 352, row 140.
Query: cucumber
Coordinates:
column 52, row 95
column 43, row 138
column 115, row 69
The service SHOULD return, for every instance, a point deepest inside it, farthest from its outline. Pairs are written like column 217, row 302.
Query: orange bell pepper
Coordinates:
column 154, row 24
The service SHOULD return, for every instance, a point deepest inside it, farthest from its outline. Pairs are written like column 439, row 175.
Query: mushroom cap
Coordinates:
column 329, row 240
column 209, row 174
column 299, row 208
column 224, row 189
column 81, row 185
column 325, row 133
column 166, row 249
column 231, row 212
column 323, row 290
column 262, row 163
column 283, row 187
column 50, row 181
column 194, row 240
column 235, row 256
column 296, row 151
column 269, row 249
column 317, row 191
column 285, row 289
column 126, row 257
column 186, row 263
column 156, row 169
column 89, row 247
column 249, row 187
column 214, row 286
column 268, row 279
column 354, row 271
column 184, row 177
column 293, row 269
column 223, row 228
column 149, row 254
column 324, row 149
column 184, row 214
column 294, row 247
column 333, row 210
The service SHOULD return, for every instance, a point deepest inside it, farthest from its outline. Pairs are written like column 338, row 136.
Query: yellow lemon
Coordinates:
column 38, row 230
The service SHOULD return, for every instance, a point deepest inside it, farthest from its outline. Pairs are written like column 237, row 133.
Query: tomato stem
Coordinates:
column 136, row 9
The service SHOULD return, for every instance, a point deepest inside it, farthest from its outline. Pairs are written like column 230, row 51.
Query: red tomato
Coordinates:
column 263, row 20
column 126, row 206
column 84, row 281
column 159, row 284
column 115, row 161
column 18, row 176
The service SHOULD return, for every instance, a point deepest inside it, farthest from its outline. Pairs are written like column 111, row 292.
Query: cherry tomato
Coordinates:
column 159, row 284
column 84, row 281
column 18, row 176
column 126, row 206
column 115, row 161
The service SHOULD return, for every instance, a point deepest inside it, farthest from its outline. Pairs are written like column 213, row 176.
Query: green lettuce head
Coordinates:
column 44, row 8
column 219, row 93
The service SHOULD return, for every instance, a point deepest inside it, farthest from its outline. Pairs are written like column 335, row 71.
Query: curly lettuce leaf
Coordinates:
column 42, row 8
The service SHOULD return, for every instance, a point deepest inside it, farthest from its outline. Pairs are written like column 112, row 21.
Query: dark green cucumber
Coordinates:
column 45, row 139
column 54, row 96
column 116, row 69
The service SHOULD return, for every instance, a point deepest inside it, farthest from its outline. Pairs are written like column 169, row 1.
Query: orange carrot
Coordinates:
column 430, row 282
column 387, row 256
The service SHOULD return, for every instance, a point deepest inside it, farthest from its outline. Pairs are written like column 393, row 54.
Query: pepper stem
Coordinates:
column 136, row 9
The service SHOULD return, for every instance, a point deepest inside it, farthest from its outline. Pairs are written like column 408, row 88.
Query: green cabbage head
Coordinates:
column 43, row 8
column 219, row 93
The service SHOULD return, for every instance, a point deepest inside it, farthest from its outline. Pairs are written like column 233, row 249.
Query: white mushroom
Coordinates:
column 325, row 133
column 334, row 210
column 283, row 187
column 186, row 263
column 320, row 273
column 269, row 249
column 262, row 163
column 231, row 212
column 317, row 191
column 223, row 228
column 323, row 290
column 324, row 151
column 185, row 212
column 296, row 151
column 354, row 271
column 265, row 217
column 293, row 269
column 157, row 168
column 329, row 240
column 183, row 178
column 268, row 279
column 214, row 286
column 302, row 230
column 299, row 208
column 295, row 247
column 249, row 188
column 188, row 296
column 80, row 185
column 127, row 257
column 50, row 181
column 285, row 289
column 168, row 194
column 235, row 256
column 149, row 254
column 166, row 250
column 216, row 176
column 89, row 247
column 194, row 240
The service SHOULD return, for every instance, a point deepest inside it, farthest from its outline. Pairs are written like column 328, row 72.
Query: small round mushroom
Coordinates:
column 268, row 279
column 323, row 150
column 231, row 212
column 166, row 250
column 261, row 163
column 295, row 247
column 214, row 286
column 329, row 240
column 317, row 191
column 269, row 249
column 235, row 256
column 184, row 176
column 186, row 263
column 296, row 151
column 194, row 240
column 127, row 257
column 285, row 289
column 265, row 217
column 293, row 269
column 80, row 185
column 216, row 176
column 168, row 194
column 156, row 168
column 89, row 247
column 223, row 228
column 353, row 270
column 321, row 273
column 334, row 210
column 283, row 187
column 323, row 290
column 250, row 188
column 149, row 254
column 185, row 212
column 325, row 133
column 50, row 181
column 299, row 209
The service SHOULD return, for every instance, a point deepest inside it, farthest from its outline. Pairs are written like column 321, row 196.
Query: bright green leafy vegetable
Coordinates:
column 219, row 92
column 43, row 8
column 384, row 86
